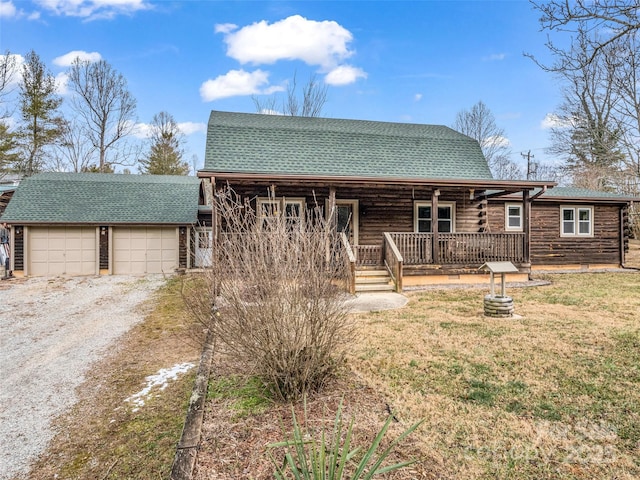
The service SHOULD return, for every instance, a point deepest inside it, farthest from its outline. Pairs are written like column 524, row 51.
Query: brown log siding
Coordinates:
column 549, row 248
column 381, row 208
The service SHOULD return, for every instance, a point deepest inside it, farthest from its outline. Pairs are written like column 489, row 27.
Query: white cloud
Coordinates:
column 68, row 59
column 234, row 83
column 294, row 38
column 8, row 10
column 141, row 130
column 62, row 79
column 495, row 57
column 551, row 120
column 144, row 130
column 225, row 27
column 268, row 111
column 417, row 97
column 495, row 141
column 344, row 75
column 189, row 128
column 94, row 9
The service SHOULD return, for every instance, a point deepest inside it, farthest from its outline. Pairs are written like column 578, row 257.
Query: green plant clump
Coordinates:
column 325, row 458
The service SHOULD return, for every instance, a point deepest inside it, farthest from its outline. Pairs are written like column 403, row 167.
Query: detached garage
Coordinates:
column 92, row 223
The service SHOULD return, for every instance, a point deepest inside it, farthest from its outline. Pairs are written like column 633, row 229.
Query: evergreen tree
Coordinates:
column 165, row 151
column 8, row 144
column 41, row 125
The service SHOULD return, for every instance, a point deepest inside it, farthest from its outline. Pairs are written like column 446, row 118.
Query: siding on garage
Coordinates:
column 62, row 250
column 140, row 250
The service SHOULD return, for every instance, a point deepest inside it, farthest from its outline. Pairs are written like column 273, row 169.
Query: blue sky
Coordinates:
column 418, row 62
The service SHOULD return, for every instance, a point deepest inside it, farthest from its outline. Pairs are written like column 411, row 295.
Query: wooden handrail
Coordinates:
column 393, row 261
column 352, row 263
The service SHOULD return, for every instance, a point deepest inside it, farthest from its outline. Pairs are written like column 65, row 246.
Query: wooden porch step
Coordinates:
column 368, row 279
column 371, row 272
column 375, row 287
column 373, row 280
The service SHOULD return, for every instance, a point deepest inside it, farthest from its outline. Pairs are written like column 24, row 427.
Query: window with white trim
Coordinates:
column 423, row 219
column 576, row 221
column 271, row 208
column 513, row 217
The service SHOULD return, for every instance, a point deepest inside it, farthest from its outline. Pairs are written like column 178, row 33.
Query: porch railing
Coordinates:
column 460, row 248
column 368, row 255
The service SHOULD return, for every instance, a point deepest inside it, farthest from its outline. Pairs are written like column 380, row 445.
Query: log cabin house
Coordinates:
column 417, row 203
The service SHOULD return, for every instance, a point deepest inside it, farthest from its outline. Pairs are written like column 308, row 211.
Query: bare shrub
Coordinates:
column 275, row 294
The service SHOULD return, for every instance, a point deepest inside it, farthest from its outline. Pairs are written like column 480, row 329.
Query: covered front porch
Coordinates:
column 409, row 233
column 406, row 256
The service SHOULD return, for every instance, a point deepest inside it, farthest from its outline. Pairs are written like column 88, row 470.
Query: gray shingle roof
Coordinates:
column 573, row 192
column 286, row 145
column 101, row 198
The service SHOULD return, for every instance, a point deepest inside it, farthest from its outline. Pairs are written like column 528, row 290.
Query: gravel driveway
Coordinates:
column 51, row 330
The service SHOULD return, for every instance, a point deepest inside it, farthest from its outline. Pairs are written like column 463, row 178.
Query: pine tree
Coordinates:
column 165, row 151
column 39, row 103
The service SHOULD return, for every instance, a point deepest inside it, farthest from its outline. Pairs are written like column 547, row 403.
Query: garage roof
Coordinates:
column 103, row 198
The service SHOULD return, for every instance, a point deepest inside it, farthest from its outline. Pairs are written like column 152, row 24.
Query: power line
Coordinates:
column 531, row 166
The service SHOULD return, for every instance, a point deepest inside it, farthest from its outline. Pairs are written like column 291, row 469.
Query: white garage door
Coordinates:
column 62, row 251
column 139, row 250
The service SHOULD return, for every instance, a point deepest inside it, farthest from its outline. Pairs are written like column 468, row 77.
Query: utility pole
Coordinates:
column 530, row 164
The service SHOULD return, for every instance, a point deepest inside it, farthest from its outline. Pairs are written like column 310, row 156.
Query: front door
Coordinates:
column 204, row 247
column 347, row 219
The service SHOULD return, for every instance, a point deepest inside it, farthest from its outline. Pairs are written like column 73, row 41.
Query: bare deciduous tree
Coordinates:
column 272, row 297
column 625, row 63
column 310, row 104
column 479, row 124
column 74, row 153
column 586, row 135
column 8, row 141
column 587, row 19
column 8, row 69
column 103, row 100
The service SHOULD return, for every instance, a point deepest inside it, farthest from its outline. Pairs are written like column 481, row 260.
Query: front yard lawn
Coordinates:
column 554, row 394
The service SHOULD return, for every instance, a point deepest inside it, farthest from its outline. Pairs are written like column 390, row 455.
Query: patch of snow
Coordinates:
column 161, row 380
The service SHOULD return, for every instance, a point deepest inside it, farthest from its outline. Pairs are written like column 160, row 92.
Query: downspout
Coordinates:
column 526, row 227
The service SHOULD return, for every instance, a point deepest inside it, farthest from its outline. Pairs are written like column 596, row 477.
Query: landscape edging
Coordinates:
column 187, row 448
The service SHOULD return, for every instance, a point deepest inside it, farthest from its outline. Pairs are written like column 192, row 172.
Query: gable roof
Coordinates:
column 102, row 198
column 325, row 147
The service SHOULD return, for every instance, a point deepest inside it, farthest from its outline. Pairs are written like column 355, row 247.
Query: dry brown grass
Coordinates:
column 102, row 438
column 554, row 394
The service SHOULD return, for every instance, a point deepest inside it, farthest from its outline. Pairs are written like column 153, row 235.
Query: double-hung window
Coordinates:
column 423, row 218
column 513, row 217
column 576, row 221
column 270, row 209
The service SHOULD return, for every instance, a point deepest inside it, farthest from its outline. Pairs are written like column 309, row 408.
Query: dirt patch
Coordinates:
column 52, row 330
